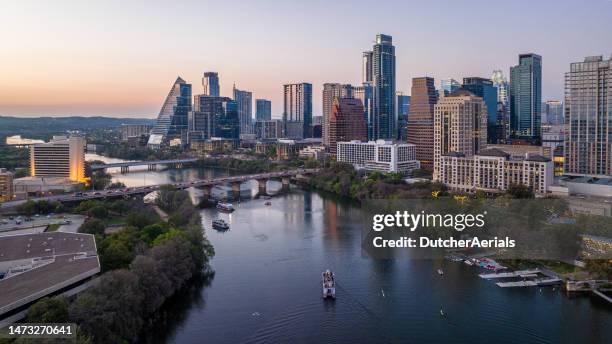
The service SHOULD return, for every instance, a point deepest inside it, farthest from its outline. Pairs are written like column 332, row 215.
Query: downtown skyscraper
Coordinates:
column 485, row 89
column 297, row 110
column 210, row 83
column 244, row 103
column 588, row 117
column 172, row 119
column 420, row 128
column 526, row 98
column 332, row 91
column 263, row 110
column 379, row 70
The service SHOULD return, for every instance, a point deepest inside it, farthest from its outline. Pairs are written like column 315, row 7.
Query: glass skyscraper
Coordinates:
column 402, row 107
column 263, row 110
column 526, row 98
column 500, row 81
column 332, row 91
column 244, row 103
column 297, row 110
column 485, row 89
column 172, row 119
column 588, row 117
column 214, row 117
column 210, row 82
column 449, row 86
column 382, row 73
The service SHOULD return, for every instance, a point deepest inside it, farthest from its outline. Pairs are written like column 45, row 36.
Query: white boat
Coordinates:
column 227, row 207
column 220, row 224
column 329, row 284
column 468, row 262
column 440, row 272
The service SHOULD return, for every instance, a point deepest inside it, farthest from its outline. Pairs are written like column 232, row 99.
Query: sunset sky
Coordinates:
column 119, row 58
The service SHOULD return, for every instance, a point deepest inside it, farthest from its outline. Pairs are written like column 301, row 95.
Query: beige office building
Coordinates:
column 460, row 125
column 61, row 157
column 6, row 185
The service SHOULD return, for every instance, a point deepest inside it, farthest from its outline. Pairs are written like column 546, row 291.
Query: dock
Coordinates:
column 530, row 283
column 519, row 273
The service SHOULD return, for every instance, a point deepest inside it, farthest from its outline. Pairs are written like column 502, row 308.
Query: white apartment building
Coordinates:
column 493, row 170
column 380, row 155
column 61, row 157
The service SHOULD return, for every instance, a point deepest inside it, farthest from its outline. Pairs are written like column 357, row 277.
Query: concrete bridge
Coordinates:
column 205, row 184
column 125, row 166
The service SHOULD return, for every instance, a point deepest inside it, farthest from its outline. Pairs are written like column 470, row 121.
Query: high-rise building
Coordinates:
column 485, row 89
column 552, row 112
column 297, row 110
column 420, row 128
column 213, row 117
column 500, row 81
column 172, row 119
column 210, row 82
column 460, row 125
column 244, row 103
column 366, row 67
column 449, row 86
column 134, row 130
column 263, row 110
column 62, row 157
column 332, row 91
column 588, row 114
column 346, row 122
column 6, row 185
column 383, row 83
column 402, row 107
column 266, row 130
column 526, row 98
column 365, row 93
column 317, row 127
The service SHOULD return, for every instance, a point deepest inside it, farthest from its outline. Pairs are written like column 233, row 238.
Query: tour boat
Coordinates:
column 440, row 272
column 468, row 262
column 220, row 224
column 329, row 284
column 227, row 207
column 268, row 203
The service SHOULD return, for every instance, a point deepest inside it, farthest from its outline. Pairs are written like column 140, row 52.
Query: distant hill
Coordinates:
column 44, row 127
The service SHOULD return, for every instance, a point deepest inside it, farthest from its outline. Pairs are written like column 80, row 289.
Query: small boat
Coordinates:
column 226, row 207
column 329, row 284
column 440, row 272
column 442, row 312
column 267, row 197
column 468, row 262
column 220, row 224
column 268, row 203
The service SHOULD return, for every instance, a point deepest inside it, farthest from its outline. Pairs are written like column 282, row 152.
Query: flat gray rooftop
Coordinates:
column 28, row 246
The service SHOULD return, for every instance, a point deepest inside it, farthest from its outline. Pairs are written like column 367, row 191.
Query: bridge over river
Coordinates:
column 152, row 164
column 205, row 184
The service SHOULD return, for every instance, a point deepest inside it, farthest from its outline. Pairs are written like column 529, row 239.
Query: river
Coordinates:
column 266, row 286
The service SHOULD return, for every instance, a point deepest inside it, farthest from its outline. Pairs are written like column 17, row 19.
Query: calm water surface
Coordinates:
column 266, row 288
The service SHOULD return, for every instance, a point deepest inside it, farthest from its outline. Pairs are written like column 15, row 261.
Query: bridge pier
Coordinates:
column 206, row 191
column 125, row 169
column 262, row 183
column 236, row 190
column 152, row 167
column 285, row 181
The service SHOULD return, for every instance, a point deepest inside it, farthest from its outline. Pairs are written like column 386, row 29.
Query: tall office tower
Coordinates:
column 526, row 98
column 366, row 67
column 460, row 125
column 365, row 93
column 449, row 86
column 346, row 122
column 485, row 89
column 500, row 81
column 554, row 112
column 263, row 110
column 172, row 119
column 214, row 117
column 317, row 127
column 210, row 82
column 420, row 119
column 62, row 157
column 588, row 114
column 332, row 91
column 244, row 101
column 6, row 185
column 383, row 83
column 297, row 110
column 402, row 106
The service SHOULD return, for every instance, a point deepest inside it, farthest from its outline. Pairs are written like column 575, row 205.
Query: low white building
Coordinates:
column 380, row 155
column 314, row 152
column 493, row 170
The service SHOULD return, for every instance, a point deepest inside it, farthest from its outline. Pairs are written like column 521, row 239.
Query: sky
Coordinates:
column 120, row 58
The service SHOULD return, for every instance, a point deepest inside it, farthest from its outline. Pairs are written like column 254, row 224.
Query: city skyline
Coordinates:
column 80, row 64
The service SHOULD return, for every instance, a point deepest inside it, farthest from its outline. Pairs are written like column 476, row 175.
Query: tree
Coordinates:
column 99, row 212
column 520, row 191
column 49, row 310
column 93, row 226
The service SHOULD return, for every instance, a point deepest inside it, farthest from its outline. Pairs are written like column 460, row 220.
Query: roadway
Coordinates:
column 82, row 196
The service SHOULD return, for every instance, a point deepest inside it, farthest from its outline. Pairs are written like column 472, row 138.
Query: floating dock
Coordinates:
column 519, row 273
column 529, row 283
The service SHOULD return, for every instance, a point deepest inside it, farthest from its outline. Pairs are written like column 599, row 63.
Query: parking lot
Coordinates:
column 35, row 224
